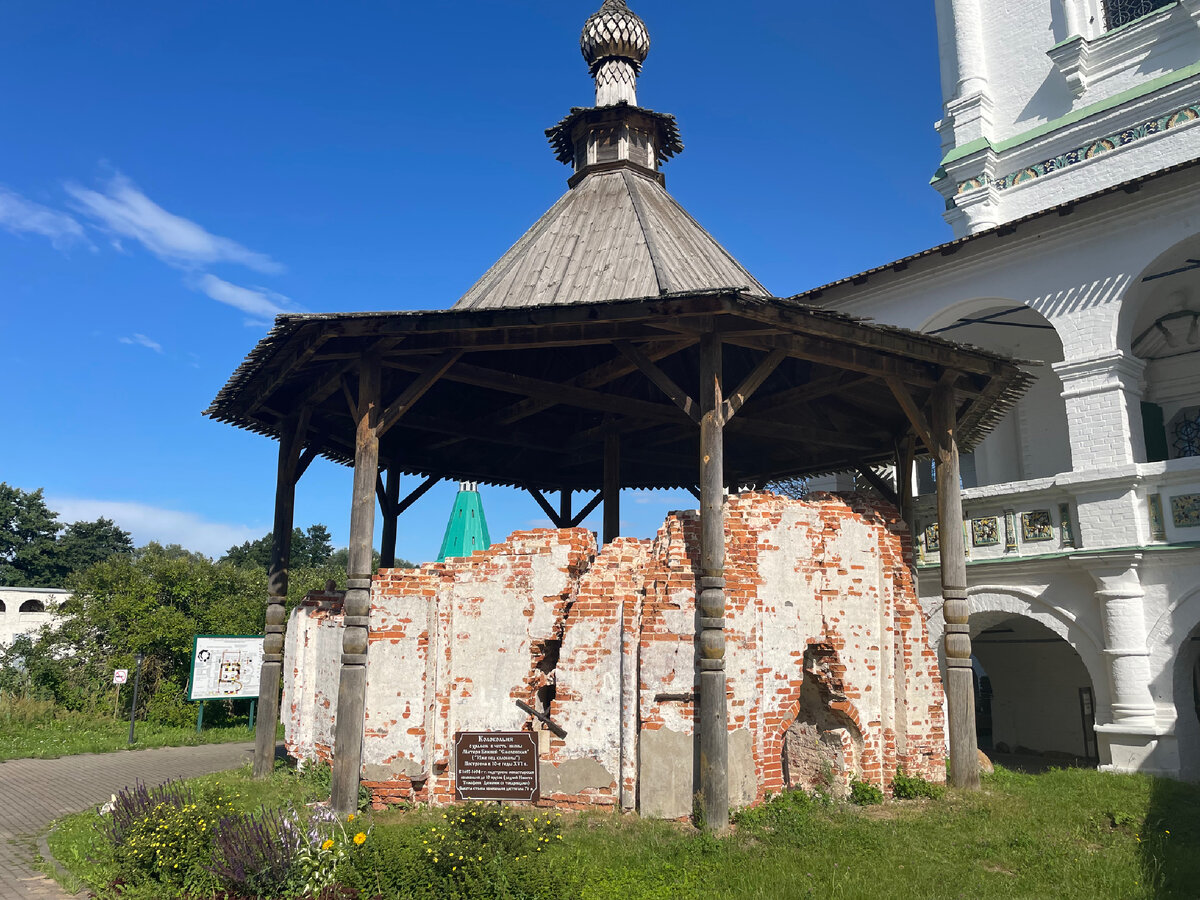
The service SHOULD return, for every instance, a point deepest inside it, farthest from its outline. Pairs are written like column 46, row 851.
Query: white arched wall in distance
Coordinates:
column 1033, row 440
column 1173, row 657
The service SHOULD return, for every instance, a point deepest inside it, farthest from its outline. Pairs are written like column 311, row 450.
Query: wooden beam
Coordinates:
column 846, row 356
column 289, row 362
column 612, row 486
column 426, row 379
column 321, row 390
column 775, row 404
column 388, row 501
column 661, row 379
column 752, row 383
column 564, row 506
column 509, row 382
column 351, row 399
column 549, row 510
column 417, row 493
column 587, row 510
column 595, row 377
column 311, row 452
column 712, row 709
column 352, row 683
column 381, row 494
column 960, row 679
column 915, row 416
column 880, row 484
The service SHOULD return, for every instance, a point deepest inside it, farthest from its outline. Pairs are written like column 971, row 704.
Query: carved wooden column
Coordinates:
column 291, row 439
column 714, row 736
column 612, row 486
column 960, row 680
column 352, row 687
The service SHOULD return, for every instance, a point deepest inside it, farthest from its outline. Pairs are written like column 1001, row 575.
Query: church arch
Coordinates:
column 1159, row 323
column 33, row 606
column 1032, row 441
column 1174, row 640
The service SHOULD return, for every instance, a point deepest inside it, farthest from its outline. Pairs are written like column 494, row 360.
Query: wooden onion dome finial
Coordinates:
column 615, row 43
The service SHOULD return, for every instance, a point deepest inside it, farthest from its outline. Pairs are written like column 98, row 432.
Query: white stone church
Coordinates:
column 1071, row 175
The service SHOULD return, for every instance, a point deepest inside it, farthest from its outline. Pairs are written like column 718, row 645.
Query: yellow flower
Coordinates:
column 350, row 818
column 360, row 838
column 328, row 844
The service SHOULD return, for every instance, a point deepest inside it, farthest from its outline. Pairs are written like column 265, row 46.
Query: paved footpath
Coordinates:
column 34, row 792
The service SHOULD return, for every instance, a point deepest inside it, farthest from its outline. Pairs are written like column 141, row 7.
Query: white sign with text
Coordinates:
column 226, row 666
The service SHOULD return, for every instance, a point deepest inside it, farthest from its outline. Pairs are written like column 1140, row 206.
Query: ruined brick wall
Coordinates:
column 830, row 675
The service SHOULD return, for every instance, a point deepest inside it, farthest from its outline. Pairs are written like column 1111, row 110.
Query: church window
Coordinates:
column 1122, row 12
column 1184, row 433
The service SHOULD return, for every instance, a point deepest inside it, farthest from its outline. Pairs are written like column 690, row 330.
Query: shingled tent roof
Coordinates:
column 614, row 235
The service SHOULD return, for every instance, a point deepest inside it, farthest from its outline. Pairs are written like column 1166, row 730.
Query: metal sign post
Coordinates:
column 137, row 677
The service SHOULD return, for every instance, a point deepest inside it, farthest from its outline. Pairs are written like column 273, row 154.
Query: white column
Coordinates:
column 1103, row 397
column 969, row 47
column 1120, row 594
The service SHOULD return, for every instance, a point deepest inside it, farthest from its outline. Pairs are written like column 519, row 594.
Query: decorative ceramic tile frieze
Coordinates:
column 1065, row 528
column 1158, row 525
column 985, row 532
column 933, row 542
column 1037, row 526
column 1145, row 129
column 1010, row 531
column 1185, row 510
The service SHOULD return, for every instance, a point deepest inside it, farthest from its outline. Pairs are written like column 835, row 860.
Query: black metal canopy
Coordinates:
column 527, row 396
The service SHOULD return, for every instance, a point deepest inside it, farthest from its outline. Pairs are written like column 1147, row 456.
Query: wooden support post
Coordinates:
column 713, row 721
column 387, row 541
column 352, row 687
column 291, row 441
column 564, row 508
column 960, row 683
column 612, row 486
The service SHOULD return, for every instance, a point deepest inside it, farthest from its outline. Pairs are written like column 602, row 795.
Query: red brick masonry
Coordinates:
column 830, row 673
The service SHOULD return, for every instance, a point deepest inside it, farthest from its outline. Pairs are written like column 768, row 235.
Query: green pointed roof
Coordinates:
column 467, row 529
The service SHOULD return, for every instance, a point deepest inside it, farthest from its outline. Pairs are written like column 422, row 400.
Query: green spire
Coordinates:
column 467, row 529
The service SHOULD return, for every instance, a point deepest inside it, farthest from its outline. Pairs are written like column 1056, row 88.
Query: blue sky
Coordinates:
column 172, row 175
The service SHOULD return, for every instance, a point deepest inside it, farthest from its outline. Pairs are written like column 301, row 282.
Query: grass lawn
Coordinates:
column 1061, row 834
column 72, row 734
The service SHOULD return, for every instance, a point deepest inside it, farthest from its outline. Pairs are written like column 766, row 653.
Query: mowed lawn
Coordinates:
column 1060, row 834
column 71, row 734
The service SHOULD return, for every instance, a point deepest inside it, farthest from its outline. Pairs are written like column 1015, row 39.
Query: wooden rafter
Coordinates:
column 915, row 416
column 660, row 379
column 425, row 379
column 752, row 383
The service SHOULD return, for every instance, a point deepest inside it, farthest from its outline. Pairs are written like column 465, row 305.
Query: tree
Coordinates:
column 84, row 544
column 313, row 547
column 28, row 539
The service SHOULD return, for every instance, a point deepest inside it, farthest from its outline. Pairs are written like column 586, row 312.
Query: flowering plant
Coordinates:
column 328, row 843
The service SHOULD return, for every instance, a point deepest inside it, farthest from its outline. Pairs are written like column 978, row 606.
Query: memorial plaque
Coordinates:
column 496, row 765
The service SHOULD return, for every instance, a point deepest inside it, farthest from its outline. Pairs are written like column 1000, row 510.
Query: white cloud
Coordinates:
column 151, row 523
column 259, row 302
column 122, row 209
column 22, row 216
column 142, row 341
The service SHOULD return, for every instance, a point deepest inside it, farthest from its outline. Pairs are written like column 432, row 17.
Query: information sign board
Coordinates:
column 120, row 676
column 496, row 765
column 225, row 666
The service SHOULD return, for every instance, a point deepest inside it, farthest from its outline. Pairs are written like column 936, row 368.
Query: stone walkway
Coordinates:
column 34, row 792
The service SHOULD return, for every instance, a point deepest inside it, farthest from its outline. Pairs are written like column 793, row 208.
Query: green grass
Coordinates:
column 1063, row 834
column 77, row 733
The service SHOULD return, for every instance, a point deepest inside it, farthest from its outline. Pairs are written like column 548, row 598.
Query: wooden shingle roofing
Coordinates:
column 616, row 235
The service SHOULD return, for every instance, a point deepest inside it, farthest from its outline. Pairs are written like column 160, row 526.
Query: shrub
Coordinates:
column 863, row 793
column 911, row 787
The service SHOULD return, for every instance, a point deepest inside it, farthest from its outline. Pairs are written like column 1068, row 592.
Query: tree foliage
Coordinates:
column 153, row 601
column 313, row 547
column 36, row 550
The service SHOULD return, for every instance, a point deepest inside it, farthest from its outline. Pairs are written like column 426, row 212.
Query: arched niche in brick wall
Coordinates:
column 1032, row 441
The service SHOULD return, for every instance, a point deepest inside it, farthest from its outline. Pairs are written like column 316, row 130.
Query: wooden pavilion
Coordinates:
column 616, row 345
